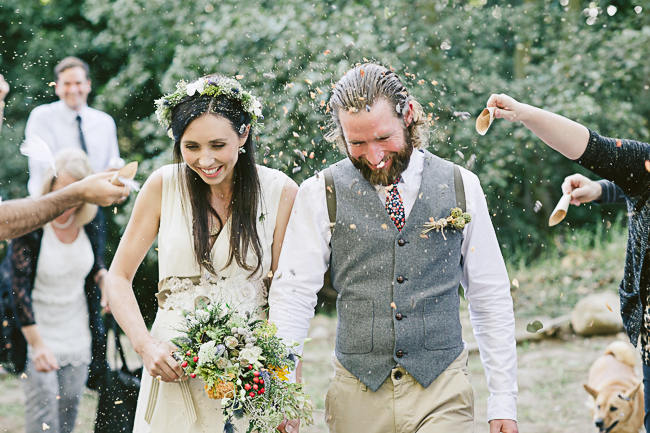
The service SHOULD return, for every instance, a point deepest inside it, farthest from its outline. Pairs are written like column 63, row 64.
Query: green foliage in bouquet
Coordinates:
column 242, row 362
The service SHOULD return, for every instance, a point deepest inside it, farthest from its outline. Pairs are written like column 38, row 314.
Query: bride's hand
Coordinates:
column 159, row 362
column 289, row 426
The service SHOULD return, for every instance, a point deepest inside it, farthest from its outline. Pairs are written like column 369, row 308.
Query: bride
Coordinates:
column 220, row 221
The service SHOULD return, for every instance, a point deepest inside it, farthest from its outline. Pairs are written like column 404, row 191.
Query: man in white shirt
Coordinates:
column 70, row 122
column 400, row 362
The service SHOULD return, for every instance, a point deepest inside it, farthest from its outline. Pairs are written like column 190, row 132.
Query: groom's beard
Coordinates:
column 400, row 161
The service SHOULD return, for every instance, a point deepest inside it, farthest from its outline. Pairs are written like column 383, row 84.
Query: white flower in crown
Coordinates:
column 196, row 86
column 257, row 108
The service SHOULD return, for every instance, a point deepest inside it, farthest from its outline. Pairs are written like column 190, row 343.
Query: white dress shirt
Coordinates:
column 305, row 259
column 56, row 124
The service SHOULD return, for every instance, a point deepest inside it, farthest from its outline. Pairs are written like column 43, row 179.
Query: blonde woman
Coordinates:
column 55, row 272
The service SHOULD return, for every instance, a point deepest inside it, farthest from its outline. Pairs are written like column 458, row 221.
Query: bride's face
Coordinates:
column 210, row 147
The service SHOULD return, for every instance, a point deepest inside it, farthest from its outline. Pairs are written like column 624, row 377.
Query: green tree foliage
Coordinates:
column 581, row 59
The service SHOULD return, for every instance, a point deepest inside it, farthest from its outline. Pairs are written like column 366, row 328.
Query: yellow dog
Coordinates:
column 617, row 392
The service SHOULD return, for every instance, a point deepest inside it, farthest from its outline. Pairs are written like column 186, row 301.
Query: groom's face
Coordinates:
column 376, row 141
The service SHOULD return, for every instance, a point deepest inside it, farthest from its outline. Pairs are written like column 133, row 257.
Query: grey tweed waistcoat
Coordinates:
column 398, row 299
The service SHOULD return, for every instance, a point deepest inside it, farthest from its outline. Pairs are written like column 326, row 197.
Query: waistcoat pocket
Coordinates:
column 356, row 319
column 442, row 328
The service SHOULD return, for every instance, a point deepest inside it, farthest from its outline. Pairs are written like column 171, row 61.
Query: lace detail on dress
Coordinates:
column 184, row 294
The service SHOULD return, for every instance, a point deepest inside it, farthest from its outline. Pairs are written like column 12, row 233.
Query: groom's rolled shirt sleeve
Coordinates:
column 487, row 289
column 303, row 262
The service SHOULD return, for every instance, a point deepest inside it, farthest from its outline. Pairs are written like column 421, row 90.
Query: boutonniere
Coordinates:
column 457, row 220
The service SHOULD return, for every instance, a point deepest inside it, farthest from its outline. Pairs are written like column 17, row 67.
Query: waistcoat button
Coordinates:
column 399, row 353
column 401, row 242
column 399, row 316
column 400, row 279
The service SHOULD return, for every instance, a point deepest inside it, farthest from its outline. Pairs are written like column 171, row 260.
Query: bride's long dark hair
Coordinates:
column 246, row 185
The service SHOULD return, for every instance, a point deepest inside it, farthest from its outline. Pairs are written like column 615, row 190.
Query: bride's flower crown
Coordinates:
column 212, row 86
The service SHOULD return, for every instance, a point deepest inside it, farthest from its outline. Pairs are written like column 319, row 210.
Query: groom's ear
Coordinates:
column 408, row 115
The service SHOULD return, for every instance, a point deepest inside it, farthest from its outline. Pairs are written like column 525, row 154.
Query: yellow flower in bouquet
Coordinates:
column 281, row 373
column 220, row 390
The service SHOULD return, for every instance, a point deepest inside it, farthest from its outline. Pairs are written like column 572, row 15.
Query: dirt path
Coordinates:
column 551, row 374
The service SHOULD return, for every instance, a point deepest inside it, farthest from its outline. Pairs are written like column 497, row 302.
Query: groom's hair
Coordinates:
column 361, row 87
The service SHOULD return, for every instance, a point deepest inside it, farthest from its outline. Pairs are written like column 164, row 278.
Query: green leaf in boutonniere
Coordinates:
column 457, row 219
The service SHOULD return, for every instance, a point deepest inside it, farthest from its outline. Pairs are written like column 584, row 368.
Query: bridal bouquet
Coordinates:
column 242, row 362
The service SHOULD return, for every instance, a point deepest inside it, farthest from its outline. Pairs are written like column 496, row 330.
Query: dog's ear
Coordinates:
column 591, row 391
column 629, row 394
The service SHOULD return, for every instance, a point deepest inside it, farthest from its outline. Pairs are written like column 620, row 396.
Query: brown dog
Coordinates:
column 618, row 394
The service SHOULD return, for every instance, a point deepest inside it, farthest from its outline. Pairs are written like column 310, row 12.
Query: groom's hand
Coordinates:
column 503, row 426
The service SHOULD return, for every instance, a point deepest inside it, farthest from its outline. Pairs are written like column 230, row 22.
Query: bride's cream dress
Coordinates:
column 184, row 406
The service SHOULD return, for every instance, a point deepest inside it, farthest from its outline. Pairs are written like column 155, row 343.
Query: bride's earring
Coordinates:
column 242, row 150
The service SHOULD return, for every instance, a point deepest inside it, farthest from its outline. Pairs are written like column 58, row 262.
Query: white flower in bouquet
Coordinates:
column 191, row 320
column 231, row 342
column 207, row 352
column 202, row 316
column 222, row 363
column 250, row 355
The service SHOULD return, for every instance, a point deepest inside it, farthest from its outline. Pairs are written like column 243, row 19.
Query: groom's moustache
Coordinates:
column 399, row 162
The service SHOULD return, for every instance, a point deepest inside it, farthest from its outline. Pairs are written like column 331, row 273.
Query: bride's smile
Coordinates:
column 210, row 147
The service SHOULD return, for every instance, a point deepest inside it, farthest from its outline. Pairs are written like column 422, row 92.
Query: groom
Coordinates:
column 400, row 362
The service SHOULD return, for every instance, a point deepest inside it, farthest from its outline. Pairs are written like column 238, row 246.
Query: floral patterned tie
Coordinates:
column 394, row 205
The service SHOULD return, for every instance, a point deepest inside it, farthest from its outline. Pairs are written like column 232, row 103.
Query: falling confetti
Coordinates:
column 515, row 283
column 353, row 226
column 462, row 115
column 239, row 76
column 537, row 206
column 534, row 326
column 45, row 427
column 299, row 153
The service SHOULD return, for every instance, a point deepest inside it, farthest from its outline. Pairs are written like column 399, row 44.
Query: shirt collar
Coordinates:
column 70, row 113
column 410, row 175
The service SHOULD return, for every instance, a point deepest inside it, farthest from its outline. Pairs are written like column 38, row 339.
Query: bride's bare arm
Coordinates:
column 136, row 241
column 282, row 219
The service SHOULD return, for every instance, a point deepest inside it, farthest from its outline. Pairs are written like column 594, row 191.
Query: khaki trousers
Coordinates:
column 401, row 404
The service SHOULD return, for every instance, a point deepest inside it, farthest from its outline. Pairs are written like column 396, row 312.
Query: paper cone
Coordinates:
column 128, row 172
column 484, row 120
column 560, row 210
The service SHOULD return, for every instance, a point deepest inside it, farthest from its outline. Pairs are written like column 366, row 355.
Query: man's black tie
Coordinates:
column 82, row 140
